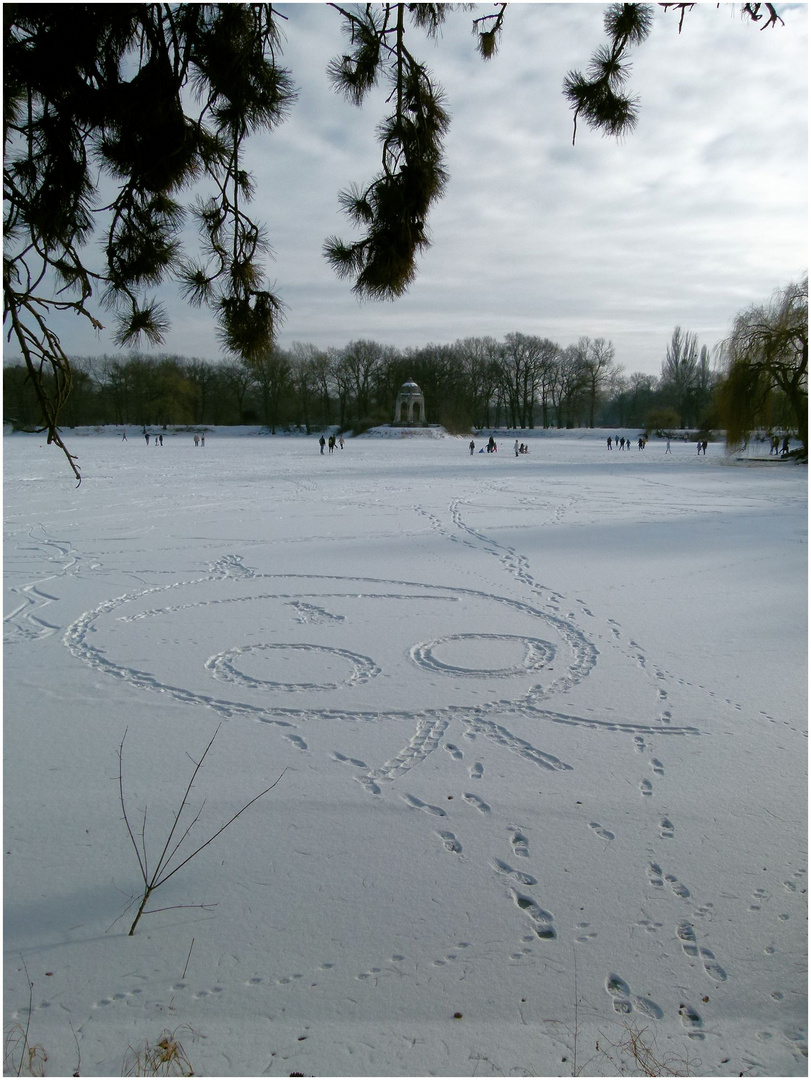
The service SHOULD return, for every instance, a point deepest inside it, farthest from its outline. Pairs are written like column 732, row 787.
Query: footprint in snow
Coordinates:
column 505, row 868
column 691, row 1020
column 624, row 1002
column 418, row 804
column 542, row 919
column 474, row 800
column 655, row 875
column 713, row 969
column 349, row 760
column 677, row 887
column 520, row 843
column 449, row 841
column 687, row 936
column 620, row 993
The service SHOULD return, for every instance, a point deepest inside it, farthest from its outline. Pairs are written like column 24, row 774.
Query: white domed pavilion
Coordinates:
column 410, row 405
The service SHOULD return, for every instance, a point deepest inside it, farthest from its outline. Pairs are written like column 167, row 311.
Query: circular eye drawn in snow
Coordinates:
column 472, row 651
column 297, row 658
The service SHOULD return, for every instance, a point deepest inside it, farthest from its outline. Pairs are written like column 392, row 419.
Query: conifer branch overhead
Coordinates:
column 78, row 118
column 394, row 207
column 599, row 96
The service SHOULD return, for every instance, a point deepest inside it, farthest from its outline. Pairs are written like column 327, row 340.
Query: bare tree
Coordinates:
column 480, row 363
column 270, row 373
column 680, row 374
column 569, row 386
column 597, row 367
column 522, row 365
column 361, row 360
column 307, row 364
column 237, row 379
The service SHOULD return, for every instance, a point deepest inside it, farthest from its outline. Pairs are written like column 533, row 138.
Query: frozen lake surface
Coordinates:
column 540, row 724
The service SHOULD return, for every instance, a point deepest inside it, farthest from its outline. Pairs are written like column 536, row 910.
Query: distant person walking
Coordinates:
column 146, row 436
column 667, row 448
column 322, row 442
column 472, row 446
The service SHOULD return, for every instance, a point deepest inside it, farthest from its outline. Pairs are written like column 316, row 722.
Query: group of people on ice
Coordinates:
column 625, row 444
column 157, row 436
column 491, row 448
column 333, row 442
column 775, row 447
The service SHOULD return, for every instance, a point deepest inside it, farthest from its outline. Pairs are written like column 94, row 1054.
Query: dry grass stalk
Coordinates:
column 166, row 1057
column 20, row 1058
column 636, row 1054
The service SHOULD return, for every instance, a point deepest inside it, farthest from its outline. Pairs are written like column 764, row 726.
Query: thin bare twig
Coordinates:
column 185, row 969
column 161, row 873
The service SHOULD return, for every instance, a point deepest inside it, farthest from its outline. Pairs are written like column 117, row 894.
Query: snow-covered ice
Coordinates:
column 540, row 724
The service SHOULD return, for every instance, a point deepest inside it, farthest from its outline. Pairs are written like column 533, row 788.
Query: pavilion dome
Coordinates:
column 410, row 405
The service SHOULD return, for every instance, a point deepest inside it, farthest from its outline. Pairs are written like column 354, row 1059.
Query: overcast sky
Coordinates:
column 697, row 214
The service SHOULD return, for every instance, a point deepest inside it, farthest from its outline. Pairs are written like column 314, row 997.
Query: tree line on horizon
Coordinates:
column 522, row 381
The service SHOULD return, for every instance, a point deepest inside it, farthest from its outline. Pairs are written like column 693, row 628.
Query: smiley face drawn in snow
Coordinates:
column 288, row 649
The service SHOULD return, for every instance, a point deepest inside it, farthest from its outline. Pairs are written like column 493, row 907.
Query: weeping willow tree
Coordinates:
column 767, row 359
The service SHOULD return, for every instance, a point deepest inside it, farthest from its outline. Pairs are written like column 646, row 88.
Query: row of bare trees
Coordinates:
column 522, row 381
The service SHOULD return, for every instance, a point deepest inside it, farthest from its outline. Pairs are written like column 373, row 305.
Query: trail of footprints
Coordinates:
column 625, row 1002
column 541, row 921
column 657, row 878
column 687, row 936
